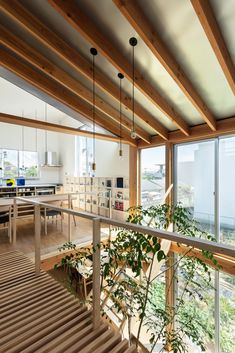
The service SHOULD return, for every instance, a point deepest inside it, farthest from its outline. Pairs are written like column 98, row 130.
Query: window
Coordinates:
column 152, row 176
column 205, row 174
column 18, row 163
column 28, row 164
column 227, row 190
column 195, row 184
column 85, row 155
column 9, row 164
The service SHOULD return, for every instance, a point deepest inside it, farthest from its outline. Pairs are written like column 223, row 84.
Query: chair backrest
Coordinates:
column 5, row 209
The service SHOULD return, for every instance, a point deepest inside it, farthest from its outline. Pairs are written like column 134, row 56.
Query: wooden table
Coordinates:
column 14, row 204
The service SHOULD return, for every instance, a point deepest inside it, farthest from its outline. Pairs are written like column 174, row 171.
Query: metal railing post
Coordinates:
column 69, row 217
column 14, row 222
column 37, row 220
column 96, row 274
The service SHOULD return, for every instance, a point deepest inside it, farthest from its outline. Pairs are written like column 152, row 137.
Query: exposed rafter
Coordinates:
column 71, row 56
column 87, row 28
column 44, row 125
column 209, row 23
column 58, row 92
column 38, row 60
column 134, row 14
column 199, row 132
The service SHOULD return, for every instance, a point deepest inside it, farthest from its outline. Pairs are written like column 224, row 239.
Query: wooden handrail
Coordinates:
column 202, row 244
column 219, row 249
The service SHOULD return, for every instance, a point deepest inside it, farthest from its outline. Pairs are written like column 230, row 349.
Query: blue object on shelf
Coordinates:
column 20, row 181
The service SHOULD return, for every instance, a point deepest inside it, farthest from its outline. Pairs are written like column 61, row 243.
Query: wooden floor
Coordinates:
column 80, row 233
column 38, row 315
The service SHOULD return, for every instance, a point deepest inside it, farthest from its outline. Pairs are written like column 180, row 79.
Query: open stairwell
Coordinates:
column 38, row 315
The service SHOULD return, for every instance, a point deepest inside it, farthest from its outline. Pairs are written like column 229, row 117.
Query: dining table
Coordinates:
column 16, row 204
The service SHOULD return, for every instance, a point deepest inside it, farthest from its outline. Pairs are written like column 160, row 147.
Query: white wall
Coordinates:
column 11, row 138
column 67, row 154
column 108, row 163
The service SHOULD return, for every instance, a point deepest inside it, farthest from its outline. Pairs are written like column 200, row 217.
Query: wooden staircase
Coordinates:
column 38, row 315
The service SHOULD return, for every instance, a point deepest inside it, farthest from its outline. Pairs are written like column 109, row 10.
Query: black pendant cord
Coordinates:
column 93, row 52
column 36, row 132
column 46, row 147
column 22, row 141
column 93, row 104
column 133, row 88
column 120, row 76
column 133, row 42
column 120, row 127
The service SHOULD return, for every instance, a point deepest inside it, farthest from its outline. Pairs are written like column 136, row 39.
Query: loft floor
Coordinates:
column 81, row 233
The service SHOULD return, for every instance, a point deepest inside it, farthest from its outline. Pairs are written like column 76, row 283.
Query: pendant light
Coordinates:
column 93, row 52
column 133, row 43
column 22, row 144
column 45, row 131
column 36, row 133
column 46, row 163
column 120, row 76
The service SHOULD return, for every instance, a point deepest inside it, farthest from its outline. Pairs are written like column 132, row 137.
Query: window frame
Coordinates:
column 18, row 174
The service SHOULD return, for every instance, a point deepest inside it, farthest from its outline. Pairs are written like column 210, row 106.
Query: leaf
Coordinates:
column 160, row 255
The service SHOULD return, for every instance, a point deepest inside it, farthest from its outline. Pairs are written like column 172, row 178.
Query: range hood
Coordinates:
column 51, row 160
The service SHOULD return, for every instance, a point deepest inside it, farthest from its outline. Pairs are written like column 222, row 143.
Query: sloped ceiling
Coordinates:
column 180, row 30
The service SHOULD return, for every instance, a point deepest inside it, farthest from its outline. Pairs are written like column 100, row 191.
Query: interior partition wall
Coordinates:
column 204, row 174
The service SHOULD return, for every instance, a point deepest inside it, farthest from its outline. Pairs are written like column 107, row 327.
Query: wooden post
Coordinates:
column 96, row 274
column 169, row 275
column 169, row 171
column 133, row 154
column 139, row 177
column 14, row 221
column 69, row 218
column 37, row 220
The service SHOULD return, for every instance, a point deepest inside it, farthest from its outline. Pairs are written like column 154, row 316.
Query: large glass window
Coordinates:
column 85, row 153
column 152, row 176
column 204, row 184
column 195, row 184
column 18, row 163
column 227, row 189
column 10, row 163
column 227, row 313
column 28, row 164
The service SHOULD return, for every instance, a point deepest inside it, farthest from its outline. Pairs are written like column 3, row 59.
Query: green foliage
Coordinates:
column 142, row 296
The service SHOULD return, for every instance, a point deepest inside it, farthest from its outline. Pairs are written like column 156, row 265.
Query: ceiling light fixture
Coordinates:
column 133, row 43
column 93, row 52
column 120, row 76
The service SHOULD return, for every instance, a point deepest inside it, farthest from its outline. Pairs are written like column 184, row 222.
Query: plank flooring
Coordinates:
column 38, row 315
column 80, row 233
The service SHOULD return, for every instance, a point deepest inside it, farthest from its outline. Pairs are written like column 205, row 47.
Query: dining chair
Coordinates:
column 48, row 213
column 5, row 219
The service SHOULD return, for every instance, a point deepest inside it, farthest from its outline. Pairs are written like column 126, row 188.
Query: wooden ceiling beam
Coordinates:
column 58, row 92
column 199, row 132
column 44, row 125
column 31, row 55
column 212, row 30
column 71, row 56
column 74, row 15
column 134, row 14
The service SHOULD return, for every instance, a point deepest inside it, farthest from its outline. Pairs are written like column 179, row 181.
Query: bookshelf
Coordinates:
column 27, row 190
column 107, row 196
